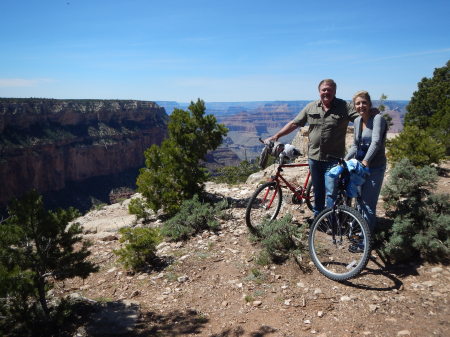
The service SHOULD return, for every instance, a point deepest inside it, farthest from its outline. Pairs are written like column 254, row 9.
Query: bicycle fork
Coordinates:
column 336, row 227
column 272, row 197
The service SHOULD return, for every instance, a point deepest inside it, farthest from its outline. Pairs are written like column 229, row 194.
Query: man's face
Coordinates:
column 327, row 92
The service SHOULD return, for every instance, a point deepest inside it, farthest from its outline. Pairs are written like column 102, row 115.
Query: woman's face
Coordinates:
column 362, row 105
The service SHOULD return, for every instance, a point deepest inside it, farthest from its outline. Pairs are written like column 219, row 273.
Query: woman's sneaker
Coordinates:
column 357, row 247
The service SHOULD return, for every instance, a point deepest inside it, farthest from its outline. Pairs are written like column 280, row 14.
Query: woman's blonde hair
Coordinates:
column 363, row 94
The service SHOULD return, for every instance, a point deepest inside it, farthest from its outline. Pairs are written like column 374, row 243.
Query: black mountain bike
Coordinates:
column 339, row 238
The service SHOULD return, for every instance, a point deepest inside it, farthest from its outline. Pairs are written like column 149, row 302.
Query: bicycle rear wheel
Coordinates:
column 263, row 206
column 340, row 243
column 309, row 195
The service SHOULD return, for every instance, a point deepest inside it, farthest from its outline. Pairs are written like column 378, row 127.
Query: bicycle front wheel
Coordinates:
column 340, row 243
column 263, row 206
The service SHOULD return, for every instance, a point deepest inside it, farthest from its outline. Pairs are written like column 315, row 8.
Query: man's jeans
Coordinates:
column 318, row 170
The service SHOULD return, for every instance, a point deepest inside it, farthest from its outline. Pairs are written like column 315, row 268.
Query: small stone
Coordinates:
column 257, row 303
column 183, row 278
column 307, row 321
column 345, row 298
column 317, row 291
column 109, row 238
column 367, row 333
column 404, row 333
column 437, row 270
column 287, row 302
column 373, row 307
column 429, row 283
column 300, row 285
column 162, row 245
column 320, row 313
column 224, row 304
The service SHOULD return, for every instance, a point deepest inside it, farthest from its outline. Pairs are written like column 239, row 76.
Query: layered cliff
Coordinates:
column 46, row 143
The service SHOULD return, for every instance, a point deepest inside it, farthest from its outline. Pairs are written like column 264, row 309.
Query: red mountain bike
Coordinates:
column 267, row 200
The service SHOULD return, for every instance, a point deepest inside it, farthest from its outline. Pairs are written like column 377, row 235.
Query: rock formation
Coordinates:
column 47, row 143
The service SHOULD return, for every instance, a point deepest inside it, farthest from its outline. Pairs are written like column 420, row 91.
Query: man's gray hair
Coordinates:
column 328, row 81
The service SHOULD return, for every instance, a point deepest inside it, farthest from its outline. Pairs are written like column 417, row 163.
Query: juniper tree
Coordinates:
column 421, row 219
column 37, row 247
column 426, row 139
column 173, row 172
column 429, row 108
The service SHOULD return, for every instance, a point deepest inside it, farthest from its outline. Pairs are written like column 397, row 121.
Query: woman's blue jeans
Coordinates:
column 369, row 192
column 318, row 169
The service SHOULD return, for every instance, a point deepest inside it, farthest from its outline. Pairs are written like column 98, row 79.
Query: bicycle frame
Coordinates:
column 278, row 177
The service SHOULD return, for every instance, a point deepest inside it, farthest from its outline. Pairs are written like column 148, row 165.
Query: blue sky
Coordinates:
column 219, row 50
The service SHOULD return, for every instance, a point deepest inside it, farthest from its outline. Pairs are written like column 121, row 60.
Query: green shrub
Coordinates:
column 282, row 238
column 193, row 217
column 37, row 248
column 172, row 172
column 236, row 174
column 421, row 220
column 137, row 206
column 417, row 145
column 429, row 107
column 139, row 250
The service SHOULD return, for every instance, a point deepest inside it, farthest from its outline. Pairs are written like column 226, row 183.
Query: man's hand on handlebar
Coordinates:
column 273, row 138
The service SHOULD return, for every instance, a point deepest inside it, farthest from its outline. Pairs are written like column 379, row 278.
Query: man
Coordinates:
column 327, row 120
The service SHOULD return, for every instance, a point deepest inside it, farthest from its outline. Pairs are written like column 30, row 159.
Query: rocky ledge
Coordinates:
column 47, row 143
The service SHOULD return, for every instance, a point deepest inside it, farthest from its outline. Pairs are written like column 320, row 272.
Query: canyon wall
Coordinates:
column 46, row 143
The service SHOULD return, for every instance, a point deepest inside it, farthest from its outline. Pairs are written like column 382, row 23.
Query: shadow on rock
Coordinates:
column 239, row 331
column 395, row 283
column 232, row 202
column 112, row 319
column 175, row 323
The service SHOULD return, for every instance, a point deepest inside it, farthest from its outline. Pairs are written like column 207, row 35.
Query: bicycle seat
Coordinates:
column 291, row 152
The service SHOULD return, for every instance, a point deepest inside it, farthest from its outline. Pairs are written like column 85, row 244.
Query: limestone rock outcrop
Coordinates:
column 46, row 143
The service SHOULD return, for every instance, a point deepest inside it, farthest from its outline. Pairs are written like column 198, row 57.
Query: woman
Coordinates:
column 369, row 148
